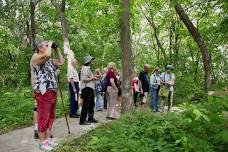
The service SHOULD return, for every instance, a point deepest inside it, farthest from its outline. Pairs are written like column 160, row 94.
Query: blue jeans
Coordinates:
column 73, row 100
column 98, row 101
column 154, row 99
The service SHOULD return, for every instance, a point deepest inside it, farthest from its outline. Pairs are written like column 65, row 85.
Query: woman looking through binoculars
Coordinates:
column 45, row 88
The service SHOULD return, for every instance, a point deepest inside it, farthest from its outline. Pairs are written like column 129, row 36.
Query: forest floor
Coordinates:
column 21, row 140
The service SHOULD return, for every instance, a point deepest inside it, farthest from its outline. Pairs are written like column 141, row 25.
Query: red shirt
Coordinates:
column 134, row 81
column 111, row 75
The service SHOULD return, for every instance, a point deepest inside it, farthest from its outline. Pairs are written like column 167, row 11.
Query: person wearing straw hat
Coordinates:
column 155, row 82
column 168, row 79
column 87, row 95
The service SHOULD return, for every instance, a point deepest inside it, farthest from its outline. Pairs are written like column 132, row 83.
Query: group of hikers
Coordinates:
column 159, row 85
column 86, row 86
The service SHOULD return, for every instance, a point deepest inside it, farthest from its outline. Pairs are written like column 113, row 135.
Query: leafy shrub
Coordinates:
column 201, row 127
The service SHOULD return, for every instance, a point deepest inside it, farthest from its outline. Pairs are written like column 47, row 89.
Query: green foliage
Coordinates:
column 201, row 127
column 16, row 108
column 94, row 28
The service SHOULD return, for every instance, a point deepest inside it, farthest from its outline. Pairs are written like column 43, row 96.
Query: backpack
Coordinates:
column 98, row 88
column 104, row 84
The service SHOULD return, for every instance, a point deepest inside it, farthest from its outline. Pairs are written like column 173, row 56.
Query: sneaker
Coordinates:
column 85, row 123
column 52, row 143
column 45, row 146
column 36, row 135
column 157, row 110
column 111, row 118
column 93, row 120
column 74, row 116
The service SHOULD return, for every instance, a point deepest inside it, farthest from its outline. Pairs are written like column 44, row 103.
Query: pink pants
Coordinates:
column 46, row 105
column 112, row 100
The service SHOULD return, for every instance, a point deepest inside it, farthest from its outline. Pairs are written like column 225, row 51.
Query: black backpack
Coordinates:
column 104, row 84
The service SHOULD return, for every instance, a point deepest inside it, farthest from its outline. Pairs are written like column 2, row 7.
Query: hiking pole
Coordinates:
column 65, row 113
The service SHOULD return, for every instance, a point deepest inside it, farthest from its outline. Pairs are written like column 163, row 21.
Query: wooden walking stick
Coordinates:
column 64, row 110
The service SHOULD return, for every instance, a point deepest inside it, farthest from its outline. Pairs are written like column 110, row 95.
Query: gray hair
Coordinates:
column 38, row 44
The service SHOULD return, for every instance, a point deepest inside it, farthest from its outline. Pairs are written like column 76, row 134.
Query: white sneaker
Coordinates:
column 45, row 146
column 51, row 143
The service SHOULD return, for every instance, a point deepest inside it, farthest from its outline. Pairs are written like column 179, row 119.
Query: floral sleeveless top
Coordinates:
column 46, row 77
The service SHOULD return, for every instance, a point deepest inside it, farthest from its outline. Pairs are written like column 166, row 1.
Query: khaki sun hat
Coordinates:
column 88, row 59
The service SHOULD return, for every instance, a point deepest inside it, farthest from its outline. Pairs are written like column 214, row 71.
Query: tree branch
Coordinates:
column 55, row 4
column 151, row 22
column 36, row 2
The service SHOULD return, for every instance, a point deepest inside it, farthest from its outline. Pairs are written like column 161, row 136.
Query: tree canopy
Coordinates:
column 158, row 36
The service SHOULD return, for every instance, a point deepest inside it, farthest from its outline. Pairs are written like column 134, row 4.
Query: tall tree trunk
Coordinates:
column 33, row 4
column 61, row 11
column 171, row 41
column 196, row 79
column 176, row 42
column 158, row 41
column 28, row 37
column 32, row 19
column 156, row 48
column 175, row 45
column 201, row 44
column 127, row 66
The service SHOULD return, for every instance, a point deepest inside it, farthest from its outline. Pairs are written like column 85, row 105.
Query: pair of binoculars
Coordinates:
column 54, row 45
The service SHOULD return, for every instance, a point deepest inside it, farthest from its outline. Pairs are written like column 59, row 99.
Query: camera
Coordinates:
column 54, row 45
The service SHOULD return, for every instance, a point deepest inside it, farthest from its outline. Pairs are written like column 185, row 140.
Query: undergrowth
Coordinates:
column 202, row 127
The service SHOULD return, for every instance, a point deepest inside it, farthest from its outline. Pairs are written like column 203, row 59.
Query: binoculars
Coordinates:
column 54, row 45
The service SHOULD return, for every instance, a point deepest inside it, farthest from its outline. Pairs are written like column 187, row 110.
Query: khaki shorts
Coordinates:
column 144, row 99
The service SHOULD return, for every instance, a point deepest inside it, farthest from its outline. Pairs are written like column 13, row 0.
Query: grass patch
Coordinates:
column 16, row 109
column 200, row 128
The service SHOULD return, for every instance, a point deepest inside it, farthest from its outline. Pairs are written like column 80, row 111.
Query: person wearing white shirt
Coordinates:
column 88, row 87
column 155, row 82
column 73, row 79
column 168, row 79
